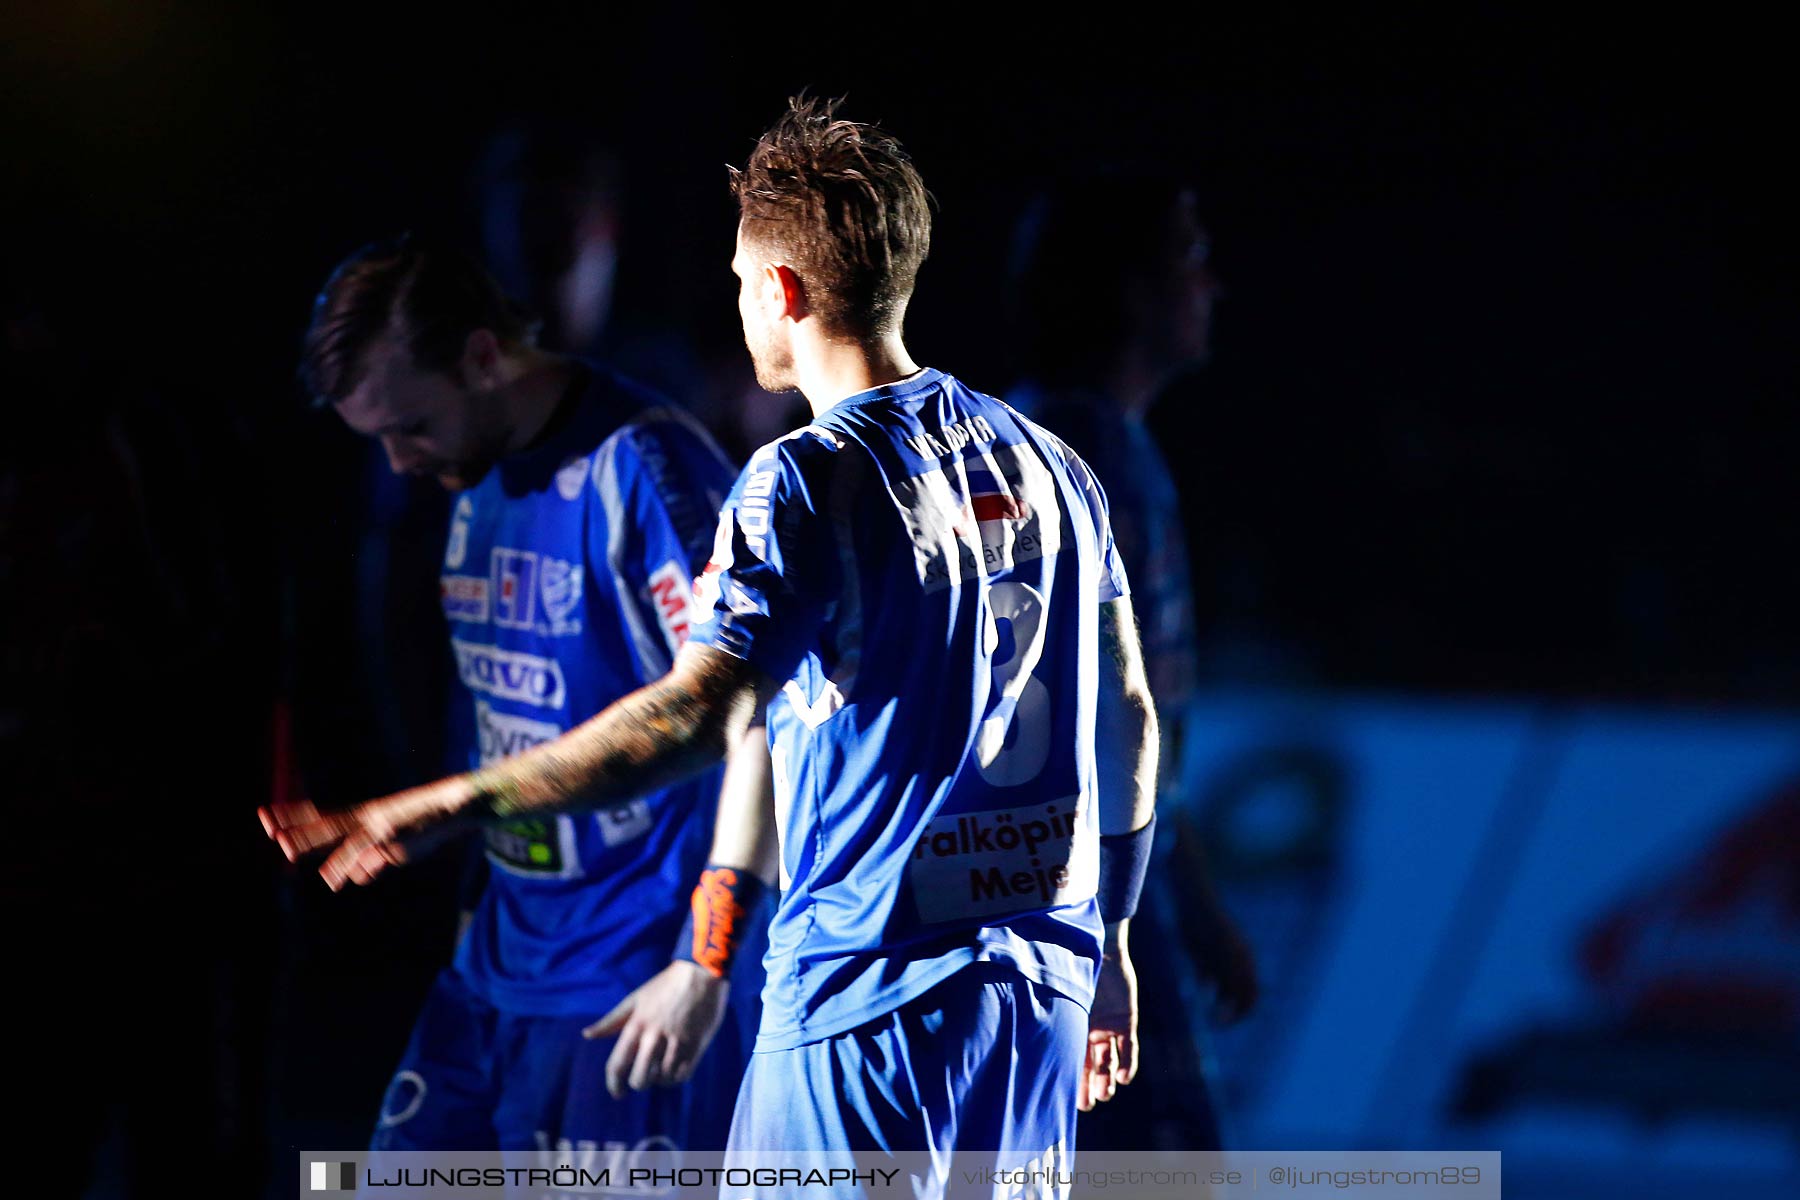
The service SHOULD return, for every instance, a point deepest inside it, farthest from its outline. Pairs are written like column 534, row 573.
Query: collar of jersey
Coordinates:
column 572, row 418
column 928, row 377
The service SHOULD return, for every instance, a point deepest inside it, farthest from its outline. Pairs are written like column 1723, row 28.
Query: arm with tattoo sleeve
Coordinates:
column 655, row 736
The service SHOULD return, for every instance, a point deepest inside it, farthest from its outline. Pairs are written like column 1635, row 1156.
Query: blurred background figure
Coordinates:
column 1114, row 296
column 550, row 206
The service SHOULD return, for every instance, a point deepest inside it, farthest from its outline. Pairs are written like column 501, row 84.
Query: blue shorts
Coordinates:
column 985, row 1065
column 476, row 1078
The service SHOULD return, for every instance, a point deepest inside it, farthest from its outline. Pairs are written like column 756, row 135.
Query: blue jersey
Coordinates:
column 1145, row 507
column 567, row 583
column 922, row 569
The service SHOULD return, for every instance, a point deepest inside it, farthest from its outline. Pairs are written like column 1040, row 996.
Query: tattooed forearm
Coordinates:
column 1113, row 646
column 661, row 733
column 1125, row 734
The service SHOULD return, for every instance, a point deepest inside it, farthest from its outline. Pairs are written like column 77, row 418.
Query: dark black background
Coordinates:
column 1503, row 391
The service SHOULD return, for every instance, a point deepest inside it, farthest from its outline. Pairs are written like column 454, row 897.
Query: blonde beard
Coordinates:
column 773, row 367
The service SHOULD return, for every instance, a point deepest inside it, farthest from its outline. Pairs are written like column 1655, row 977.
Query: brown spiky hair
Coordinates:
column 841, row 203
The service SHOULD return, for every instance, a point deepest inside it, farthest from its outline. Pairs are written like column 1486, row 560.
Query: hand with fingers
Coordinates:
column 1112, row 1046
column 367, row 838
column 663, row 1027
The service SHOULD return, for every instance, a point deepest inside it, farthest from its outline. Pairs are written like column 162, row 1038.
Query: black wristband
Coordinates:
column 1124, row 861
column 719, row 916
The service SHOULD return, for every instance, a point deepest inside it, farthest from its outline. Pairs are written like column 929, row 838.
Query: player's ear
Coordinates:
column 785, row 290
column 481, row 359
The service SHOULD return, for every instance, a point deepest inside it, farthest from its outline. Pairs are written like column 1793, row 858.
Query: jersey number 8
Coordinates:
column 1014, row 741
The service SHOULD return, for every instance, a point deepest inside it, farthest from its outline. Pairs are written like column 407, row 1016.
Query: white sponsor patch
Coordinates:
column 457, row 549
column 671, row 594
column 571, row 476
column 706, row 588
column 1004, row 860
column 509, row 674
column 502, row 735
column 981, row 516
column 465, row 597
column 559, row 584
column 623, row 822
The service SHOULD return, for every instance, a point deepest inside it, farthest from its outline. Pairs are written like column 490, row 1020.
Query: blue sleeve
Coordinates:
column 774, row 570
column 661, row 481
column 1113, row 582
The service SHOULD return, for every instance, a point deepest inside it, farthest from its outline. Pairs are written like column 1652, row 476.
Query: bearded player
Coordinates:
column 584, row 506
column 921, row 587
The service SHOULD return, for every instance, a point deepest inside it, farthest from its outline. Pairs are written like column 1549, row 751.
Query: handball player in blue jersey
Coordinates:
column 584, row 508
column 919, row 590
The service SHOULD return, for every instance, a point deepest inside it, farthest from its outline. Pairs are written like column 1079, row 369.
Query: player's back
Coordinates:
column 924, row 567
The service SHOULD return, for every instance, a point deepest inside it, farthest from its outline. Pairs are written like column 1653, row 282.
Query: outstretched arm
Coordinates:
column 661, row 733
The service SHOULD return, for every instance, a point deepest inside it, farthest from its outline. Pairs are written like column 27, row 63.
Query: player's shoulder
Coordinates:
column 668, row 429
column 1064, row 459
column 651, row 431
column 798, row 468
column 1002, row 415
column 812, row 446
column 1056, row 448
column 658, row 457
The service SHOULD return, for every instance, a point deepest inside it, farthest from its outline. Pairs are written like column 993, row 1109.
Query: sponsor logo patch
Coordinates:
column 465, row 597
column 1004, row 860
column 982, row 516
column 623, row 822
column 672, row 597
column 989, row 500
column 502, row 735
column 515, row 574
column 509, row 674
column 559, row 585
column 535, row 846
